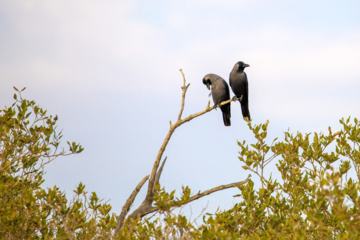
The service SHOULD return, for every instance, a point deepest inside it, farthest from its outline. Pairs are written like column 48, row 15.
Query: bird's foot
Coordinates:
column 234, row 98
column 241, row 98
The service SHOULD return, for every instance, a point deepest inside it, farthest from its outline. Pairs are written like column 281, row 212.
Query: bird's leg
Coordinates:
column 240, row 98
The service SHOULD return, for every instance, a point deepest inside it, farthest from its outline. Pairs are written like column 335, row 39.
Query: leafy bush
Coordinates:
column 29, row 141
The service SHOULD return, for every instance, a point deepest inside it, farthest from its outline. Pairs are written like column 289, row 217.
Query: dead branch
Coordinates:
column 184, row 89
column 150, row 209
column 146, row 206
column 218, row 188
column 158, row 174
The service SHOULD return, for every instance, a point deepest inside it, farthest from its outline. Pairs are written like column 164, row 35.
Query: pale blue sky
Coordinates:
column 109, row 69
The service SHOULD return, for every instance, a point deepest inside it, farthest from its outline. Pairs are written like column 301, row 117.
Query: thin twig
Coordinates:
column 184, row 89
column 158, row 174
column 218, row 188
column 200, row 215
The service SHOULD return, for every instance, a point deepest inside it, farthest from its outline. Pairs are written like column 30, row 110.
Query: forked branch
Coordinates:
column 145, row 210
column 184, row 89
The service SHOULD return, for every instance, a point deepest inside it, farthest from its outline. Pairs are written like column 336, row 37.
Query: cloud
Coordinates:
column 105, row 45
column 80, row 42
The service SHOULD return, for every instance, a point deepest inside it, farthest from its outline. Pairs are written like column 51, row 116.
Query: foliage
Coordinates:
column 315, row 193
column 315, row 197
column 29, row 141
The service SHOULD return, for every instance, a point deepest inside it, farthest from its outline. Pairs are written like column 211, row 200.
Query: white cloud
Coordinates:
column 104, row 45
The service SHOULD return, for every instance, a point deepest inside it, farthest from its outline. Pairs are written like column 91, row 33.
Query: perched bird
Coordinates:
column 220, row 92
column 239, row 85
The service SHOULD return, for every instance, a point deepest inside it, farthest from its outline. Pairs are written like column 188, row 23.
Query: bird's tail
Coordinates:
column 226, row 114
column 245, row 110
column 226, row 118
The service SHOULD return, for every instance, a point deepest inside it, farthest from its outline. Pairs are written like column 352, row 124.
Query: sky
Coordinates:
column 110, row 71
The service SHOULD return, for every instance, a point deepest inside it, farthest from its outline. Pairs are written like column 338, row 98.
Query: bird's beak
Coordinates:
column 246, row 65
column 208, row 85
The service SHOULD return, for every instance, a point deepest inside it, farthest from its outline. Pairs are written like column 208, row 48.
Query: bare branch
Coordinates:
column 146, row 209
column 166, row 140
column 184, row 89
column 157, row 178
column 129, row 202
column 156, row 164
column 208, row 109
column 218, row 188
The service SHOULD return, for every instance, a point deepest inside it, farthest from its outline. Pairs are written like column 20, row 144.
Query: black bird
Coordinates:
column 220, row 92
column 239, row 85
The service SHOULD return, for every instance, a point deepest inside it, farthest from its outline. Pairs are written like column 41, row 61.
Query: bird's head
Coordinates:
column 241, row 66
column 207, row 81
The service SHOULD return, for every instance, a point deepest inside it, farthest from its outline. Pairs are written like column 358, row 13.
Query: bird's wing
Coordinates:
column 227, row 90
column 246, row 88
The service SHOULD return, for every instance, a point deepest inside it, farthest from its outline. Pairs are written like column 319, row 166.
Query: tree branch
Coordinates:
column 150, row 209
column 157, row 177
column 208, row 109
column 158, row 174
column 218, row 188
column 184, row 88
column 125, row 209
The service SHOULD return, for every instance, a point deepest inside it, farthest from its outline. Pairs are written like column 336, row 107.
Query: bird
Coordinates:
column 239, row 85
column 220, row 92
